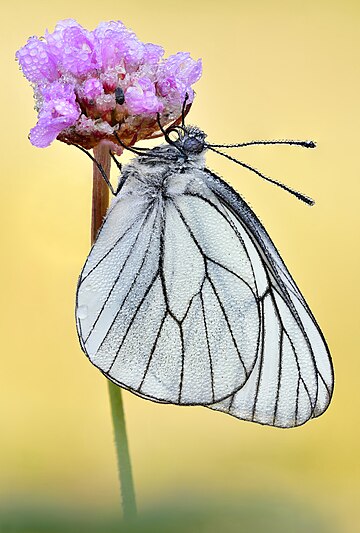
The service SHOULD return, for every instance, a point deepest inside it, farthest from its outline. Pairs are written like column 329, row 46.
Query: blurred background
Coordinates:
column 272, row 69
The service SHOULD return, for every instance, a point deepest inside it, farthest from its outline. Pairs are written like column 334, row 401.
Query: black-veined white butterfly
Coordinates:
column 184, row 298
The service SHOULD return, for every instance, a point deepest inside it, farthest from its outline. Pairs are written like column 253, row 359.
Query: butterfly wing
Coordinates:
column 292, row 380
column 167, row 303
column 184, row 299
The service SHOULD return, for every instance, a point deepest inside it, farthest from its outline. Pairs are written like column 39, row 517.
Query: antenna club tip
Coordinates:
column 310, row 144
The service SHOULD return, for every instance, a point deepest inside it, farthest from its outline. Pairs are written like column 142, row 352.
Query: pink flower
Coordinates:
column 90, row 84
column 58, row 111
column 152, row 53
column 113, row 44
column 177, row 74
column 141, row 97
column 73, row 48
column 92, row 88
column 37, row 62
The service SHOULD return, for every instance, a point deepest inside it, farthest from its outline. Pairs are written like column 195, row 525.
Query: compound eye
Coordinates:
column 193, row 145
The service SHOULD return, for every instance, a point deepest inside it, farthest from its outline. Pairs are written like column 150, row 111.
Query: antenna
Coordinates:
column 304, row 144
column 297, row 194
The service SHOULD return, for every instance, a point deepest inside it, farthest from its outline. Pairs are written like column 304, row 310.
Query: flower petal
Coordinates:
column 59, row 111
column 141, row 97
column 73, row 47
column 36, row 61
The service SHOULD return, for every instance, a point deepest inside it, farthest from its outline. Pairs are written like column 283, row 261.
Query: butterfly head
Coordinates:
column 189, row 140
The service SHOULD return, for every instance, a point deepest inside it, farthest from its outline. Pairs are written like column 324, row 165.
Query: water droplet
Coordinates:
column 82, row 311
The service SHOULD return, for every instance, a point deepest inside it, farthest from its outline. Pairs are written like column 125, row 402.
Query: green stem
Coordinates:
column 100, row 200
column 122, row 450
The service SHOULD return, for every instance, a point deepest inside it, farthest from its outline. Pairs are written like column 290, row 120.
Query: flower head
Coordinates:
column 90, row 84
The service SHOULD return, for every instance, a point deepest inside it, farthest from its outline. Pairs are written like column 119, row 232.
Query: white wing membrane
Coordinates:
column 114, row 284
column 171, row 313
column 292, row 380
column 184, row 299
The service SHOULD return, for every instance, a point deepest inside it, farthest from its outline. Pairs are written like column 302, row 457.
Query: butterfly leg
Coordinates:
column 122, row 177
column 100, row 167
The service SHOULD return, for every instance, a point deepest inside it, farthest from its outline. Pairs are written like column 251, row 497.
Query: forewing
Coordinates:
column 211, row 298
column 167, row 303
column 115, row 277
column 292, row 379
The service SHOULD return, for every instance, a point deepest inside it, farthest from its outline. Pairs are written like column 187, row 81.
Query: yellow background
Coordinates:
column 271, row 70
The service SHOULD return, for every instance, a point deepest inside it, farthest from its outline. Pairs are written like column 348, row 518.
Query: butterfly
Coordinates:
column 184, row 298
